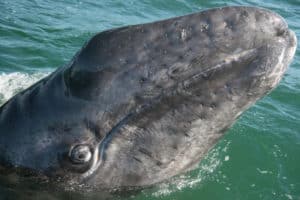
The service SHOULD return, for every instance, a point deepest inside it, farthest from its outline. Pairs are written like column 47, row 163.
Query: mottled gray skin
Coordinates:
column 146, row 102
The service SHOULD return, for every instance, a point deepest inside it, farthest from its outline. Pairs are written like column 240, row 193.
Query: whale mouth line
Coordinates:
column 99, row 154
column 245, row 55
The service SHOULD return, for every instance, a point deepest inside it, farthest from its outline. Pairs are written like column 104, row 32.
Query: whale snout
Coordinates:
column 274, row 56
column 260, row 44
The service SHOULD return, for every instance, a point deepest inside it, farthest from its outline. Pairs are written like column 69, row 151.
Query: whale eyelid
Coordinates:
column 96, row 162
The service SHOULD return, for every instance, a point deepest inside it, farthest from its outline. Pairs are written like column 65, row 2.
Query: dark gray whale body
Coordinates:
column 140, row 104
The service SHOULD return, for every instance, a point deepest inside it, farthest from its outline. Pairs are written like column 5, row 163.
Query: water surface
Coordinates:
column 259, row 156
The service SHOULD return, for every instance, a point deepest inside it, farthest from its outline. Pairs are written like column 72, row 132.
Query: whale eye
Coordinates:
column 80, row 154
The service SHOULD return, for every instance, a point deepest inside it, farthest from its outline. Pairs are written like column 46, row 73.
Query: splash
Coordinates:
column 12, row 83
column 204, row 171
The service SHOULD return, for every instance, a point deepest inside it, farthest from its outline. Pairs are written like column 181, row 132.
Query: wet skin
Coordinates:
column 140, row 104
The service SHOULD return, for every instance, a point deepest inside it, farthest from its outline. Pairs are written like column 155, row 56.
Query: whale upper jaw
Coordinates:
column 149, row 100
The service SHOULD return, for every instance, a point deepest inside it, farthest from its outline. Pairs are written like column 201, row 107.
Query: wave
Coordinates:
column 12, row 83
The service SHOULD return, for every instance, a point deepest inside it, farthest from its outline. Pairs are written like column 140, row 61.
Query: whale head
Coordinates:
column 142, row 103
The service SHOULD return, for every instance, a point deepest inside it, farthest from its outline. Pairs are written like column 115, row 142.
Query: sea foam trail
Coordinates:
column 12, row 83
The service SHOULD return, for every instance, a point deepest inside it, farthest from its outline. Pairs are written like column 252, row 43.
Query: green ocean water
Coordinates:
column 259, row 157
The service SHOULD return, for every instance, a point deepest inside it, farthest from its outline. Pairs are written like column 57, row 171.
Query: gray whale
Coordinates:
column 140, row 104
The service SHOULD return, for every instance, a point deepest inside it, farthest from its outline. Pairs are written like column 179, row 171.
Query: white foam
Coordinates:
column 204, row 171
column 263, row 171
column 226, row 158
column 12, row 83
